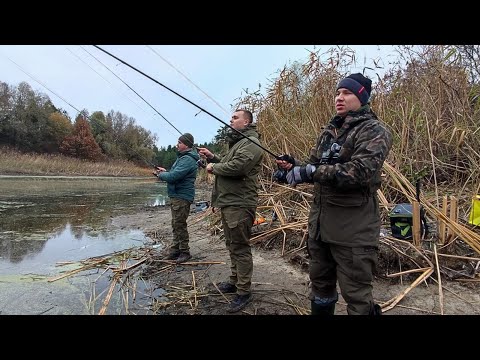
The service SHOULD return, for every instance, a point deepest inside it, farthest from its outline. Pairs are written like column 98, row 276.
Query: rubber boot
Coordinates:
column 324, row 310
column 375, row 310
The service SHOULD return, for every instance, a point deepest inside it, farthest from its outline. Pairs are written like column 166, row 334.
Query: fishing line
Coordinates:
column 185, row 76
column 113, row 86
column 187, row 100
column 67, row 102
column 200, row 163
column 118, row 77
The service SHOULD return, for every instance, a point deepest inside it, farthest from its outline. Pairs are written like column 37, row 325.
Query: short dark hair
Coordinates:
column 248, row 114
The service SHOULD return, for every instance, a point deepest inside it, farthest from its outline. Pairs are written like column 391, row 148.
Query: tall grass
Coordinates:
column 15, row 163
column 425, row 99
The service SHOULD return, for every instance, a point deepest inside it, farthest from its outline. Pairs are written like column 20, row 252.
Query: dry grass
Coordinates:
column 428, row 105
column 434, row 116
column 15, row 163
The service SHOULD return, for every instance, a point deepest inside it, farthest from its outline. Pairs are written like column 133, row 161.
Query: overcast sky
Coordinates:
column 223, row 72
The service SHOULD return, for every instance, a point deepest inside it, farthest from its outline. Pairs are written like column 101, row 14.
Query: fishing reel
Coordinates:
column 202, row 163
column 280, row 175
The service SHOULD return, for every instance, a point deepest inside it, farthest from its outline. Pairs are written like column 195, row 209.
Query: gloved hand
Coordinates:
column 285, row 163
column 288, row 158
column 300, row 174
column 280, row 176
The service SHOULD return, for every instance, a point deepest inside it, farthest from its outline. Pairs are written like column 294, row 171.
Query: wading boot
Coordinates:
column 184, row 256
column 324, row 310
column 375, row 310
column 227, row 288
column 239, row 302
column 173, row 255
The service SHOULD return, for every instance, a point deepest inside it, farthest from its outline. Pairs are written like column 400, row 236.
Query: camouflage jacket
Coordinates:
column 236, row 173
column 349, row 155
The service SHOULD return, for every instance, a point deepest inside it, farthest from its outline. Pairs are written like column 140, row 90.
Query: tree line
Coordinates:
column 30, row 122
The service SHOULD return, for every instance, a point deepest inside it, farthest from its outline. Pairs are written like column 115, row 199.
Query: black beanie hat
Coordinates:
column 359, row 85
column 187, row 139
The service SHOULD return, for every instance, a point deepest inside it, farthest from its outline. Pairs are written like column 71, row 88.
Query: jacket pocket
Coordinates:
column 346, row 201
column 344, row 220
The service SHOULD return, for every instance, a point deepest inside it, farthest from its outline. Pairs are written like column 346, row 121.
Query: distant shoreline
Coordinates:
column 6, row 176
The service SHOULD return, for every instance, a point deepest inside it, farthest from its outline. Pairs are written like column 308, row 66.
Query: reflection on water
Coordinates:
column 48, row 220
column 159, row 201
column 38, row 254
column 68, row 211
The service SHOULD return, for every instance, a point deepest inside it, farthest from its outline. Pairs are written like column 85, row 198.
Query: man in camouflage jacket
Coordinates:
column 236, row 193
column 344, row 221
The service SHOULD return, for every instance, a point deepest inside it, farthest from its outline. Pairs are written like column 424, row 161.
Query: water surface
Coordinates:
column 45, row 220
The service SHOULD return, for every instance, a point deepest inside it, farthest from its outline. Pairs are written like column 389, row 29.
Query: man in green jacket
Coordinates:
column 236, row 192
column 344, row 221
column 181, row 191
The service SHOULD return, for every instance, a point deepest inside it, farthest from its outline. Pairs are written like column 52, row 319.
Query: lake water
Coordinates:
column 45, row 220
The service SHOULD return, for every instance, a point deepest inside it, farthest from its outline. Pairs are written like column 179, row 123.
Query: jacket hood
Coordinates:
column 193, row 153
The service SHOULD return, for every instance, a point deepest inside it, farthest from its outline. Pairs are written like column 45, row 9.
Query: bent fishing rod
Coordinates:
column 189, row 101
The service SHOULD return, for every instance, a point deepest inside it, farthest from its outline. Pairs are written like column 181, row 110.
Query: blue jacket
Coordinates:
column 181, row 177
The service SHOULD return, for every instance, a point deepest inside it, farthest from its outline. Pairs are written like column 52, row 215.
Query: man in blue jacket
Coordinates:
column 181, row 191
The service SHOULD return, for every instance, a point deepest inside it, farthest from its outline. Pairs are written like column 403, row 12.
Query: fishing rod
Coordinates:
column 108, row 81
column 189, row 101
column 200, row 163
column 136, row 93
column 190, row 81
column 68, row 103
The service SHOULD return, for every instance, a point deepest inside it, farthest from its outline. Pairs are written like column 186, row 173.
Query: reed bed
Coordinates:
column 429, row 103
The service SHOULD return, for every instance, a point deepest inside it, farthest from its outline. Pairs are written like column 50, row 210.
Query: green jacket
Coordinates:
column 345, row 207
column 236, row 174
column 181, row 177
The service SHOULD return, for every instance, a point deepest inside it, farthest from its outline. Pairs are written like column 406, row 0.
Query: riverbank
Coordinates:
column 280, row 279
column 16, row 163
column 280, row 284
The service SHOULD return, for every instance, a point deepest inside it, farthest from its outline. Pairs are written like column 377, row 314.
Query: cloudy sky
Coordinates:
column 200, row 73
